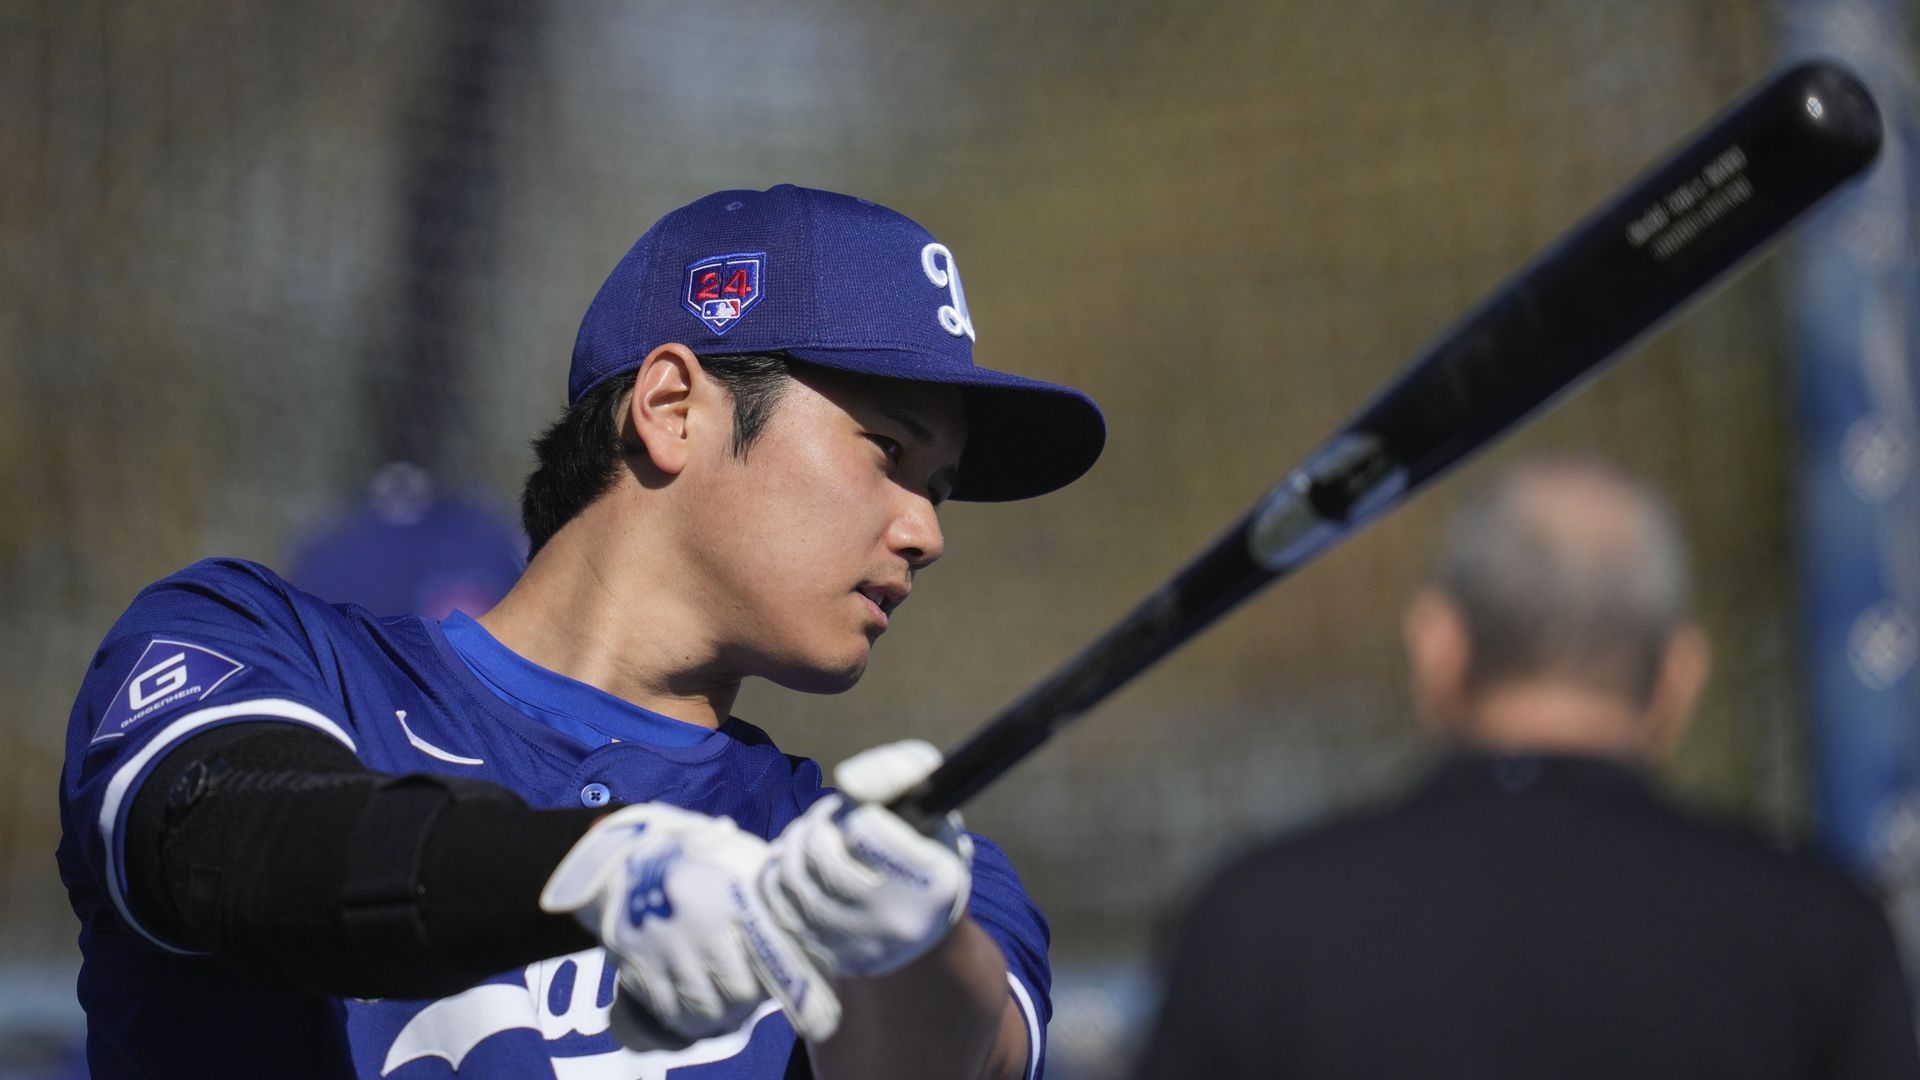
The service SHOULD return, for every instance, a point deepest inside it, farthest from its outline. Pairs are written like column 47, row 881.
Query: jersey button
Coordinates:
column 595, row 795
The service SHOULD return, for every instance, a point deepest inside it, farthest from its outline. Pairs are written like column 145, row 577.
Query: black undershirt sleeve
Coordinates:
column 273, row 847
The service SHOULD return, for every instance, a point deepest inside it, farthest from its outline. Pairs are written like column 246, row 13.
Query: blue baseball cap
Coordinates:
column 842, row 283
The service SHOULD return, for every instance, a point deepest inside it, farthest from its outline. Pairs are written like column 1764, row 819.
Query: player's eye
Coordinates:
column 889, row 447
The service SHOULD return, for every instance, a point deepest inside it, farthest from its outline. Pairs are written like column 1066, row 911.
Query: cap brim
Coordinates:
column 1024, row 437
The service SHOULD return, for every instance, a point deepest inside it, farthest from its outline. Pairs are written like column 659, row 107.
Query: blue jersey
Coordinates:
column 225, row 642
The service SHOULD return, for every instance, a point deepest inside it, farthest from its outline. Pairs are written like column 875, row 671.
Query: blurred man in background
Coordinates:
column 1535, row 907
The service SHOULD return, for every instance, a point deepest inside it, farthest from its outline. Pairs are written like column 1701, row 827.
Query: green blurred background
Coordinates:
column 251, row 251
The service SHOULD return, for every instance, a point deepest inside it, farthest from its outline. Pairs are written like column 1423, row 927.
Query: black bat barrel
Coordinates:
column 1615, row 276
column 1725, row 193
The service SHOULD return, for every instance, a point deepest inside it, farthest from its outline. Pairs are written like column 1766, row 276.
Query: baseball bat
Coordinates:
column 1712, row 202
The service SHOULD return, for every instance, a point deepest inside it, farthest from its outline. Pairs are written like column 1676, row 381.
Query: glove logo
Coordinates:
column 648, row 896
column 882, row 860
column 719, row 290
column 168, row 673
column 794, row 987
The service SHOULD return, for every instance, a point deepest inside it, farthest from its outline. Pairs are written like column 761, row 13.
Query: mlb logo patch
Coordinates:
column 720, row 290
column 168, row 673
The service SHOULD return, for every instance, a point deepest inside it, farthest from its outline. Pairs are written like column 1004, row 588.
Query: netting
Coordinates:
column 250, row 252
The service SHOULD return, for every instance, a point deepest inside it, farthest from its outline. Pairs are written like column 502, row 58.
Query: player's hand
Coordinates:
column 672, row 896
column 861, row 889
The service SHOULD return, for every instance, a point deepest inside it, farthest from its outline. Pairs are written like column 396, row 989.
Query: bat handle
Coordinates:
column 909, row 807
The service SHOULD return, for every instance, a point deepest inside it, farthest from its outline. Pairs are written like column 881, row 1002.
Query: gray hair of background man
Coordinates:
column 1570, row 571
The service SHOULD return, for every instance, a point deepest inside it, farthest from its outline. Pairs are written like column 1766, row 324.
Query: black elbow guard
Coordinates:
column 383, row 892
column 443, row 884
column 277, row 850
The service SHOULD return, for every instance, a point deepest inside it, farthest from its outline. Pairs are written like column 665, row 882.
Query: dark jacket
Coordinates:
column 1533, row 918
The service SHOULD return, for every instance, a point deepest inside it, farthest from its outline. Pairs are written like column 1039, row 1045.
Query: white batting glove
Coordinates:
column 671, row 895
column 861, row 889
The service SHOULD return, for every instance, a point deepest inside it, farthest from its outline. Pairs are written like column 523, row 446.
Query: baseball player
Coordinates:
column 303, row 841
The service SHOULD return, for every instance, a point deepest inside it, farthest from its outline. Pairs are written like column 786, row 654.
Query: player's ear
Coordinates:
column 1684, row 664
column 659, row 414
column 1439, row 653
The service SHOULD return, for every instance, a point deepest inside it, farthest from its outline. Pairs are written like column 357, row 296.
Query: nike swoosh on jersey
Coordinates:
column 428, row 748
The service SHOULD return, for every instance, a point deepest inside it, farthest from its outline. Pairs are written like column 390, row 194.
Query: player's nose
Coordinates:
column 916, row 534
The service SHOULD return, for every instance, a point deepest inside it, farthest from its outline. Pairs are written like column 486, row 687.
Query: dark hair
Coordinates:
column 578, row 458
